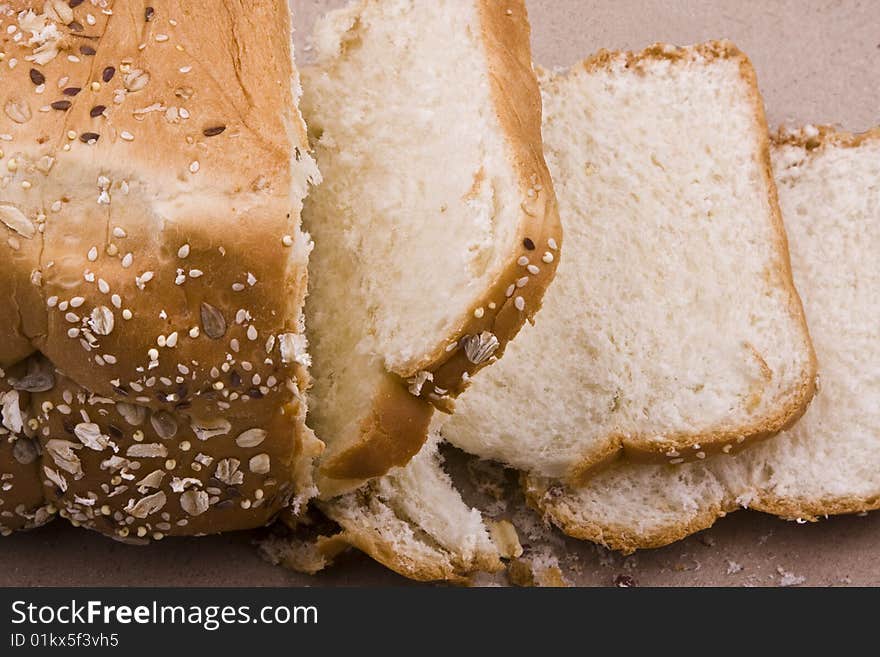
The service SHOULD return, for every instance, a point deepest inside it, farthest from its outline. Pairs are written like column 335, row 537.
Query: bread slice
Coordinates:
column 414, row 521
column 153, row 170
column 673, row 329
column 431, row 223
column 829, row 462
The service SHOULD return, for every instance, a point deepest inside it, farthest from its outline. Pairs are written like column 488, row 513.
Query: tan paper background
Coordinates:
column 817, row 61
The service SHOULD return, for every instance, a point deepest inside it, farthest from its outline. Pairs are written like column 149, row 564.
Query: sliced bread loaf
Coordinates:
column 429, row 228
column 673, row 328
column 829, row 462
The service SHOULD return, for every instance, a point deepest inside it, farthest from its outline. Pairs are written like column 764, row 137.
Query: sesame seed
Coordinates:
column 520, row 303
column 93, row 254
column 126, row 314
column 479, row 312
column 552, row 244
column 126, row 135
column 171, row 342
column 237, row 287
column 548, row 257
column 153, row 353
column 252, row 333
column 195, row 273
column 287, row 240
column 76, row 302
column 194, row 166
column 183, row 251
column 127, row 260
column 534, row 270
column 523, row 261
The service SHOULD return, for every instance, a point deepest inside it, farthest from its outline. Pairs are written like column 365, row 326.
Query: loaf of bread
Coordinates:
column 673, row 329
column 436, row 227
column 153, row 164
column 829, row 462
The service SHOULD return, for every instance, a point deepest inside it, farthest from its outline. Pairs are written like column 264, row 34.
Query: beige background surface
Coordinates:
column 817, row 61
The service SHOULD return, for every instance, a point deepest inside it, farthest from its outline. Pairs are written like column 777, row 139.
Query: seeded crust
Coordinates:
column 485, row 329
column 507, row 37
column 22, row 504
column 678, row 447
column 549, row 499
column 151, row 180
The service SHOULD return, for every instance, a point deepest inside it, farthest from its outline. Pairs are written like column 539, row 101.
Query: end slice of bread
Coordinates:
column 673, row 329
column 414, row 521
column 429, row 227
column 829, row 462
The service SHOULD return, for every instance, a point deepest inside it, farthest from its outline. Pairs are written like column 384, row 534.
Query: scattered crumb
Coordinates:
column 706, row 540
column 536, row 569
column 307, row 556
column 789, row 579
column 506, row 539
column 733, row 567
column 625, row 582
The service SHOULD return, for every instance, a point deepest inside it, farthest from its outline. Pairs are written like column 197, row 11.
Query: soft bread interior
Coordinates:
column 406, row 222
column 672, row 323
column 829, row 190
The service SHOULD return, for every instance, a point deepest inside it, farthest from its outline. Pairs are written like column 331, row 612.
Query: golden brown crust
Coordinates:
column 684, row 447
column 516, row 295
column 390, row 436
column 616, row 537
column 154, row 256
column 812, row 137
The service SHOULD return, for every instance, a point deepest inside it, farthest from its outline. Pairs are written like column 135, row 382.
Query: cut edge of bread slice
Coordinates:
column 657, row 512
column 393, row 425
column 675, row 447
